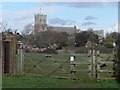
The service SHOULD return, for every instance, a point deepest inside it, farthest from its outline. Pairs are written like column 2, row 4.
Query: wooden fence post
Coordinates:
column 98, row 60
column 90, row 63
column 94, row 64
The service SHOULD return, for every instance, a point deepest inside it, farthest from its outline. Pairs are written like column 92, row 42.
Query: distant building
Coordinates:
column 100, row 33
column 41, row 25
column 89, row 44
column 69, row 30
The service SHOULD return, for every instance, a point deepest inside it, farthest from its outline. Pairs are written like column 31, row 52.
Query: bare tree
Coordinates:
column 28, row 29
column 3, row 26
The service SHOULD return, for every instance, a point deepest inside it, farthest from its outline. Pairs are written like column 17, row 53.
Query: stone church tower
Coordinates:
column 40, row 23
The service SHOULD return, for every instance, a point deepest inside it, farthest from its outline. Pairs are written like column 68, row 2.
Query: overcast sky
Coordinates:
column 84, row 15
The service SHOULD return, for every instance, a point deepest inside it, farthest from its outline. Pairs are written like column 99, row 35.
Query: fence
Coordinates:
column 56, row 65
column 98, row 65
column 64, row 66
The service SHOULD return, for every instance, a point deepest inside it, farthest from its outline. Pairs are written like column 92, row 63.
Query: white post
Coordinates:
column 72, row 64
column 20, row 63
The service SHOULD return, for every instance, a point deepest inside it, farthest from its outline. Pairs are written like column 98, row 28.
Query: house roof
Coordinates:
column 69, row 30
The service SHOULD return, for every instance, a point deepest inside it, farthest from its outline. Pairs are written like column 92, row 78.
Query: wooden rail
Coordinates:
column 95, row 66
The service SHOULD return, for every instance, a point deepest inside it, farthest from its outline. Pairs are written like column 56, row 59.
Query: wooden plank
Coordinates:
column 82, row 62
column 107, row 78
column 48, row 55
column 83, row 70
column 60, row 77
column 105, row 71
column 110, row 62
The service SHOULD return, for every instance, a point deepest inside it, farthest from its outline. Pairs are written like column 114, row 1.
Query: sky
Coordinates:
column 83, row 15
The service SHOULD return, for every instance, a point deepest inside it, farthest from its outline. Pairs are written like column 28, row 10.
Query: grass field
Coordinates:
column 31, row 81
column 37, row 76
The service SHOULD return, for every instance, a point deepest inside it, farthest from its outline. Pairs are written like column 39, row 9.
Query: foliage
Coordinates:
column 102, row 49
column 109, row 42
column 49, row 51
column 84, row 36
column 3, row 26
column 112, row 38
column 118, row 65
column 28, row 29
column 47, row 39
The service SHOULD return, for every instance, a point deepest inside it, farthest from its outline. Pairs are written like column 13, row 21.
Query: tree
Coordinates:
column 28, row 29
column 47, row 39
column 115, row 36
column 118, row 40
column 3, row 27
column 118, row 64
column 27, row 33
column 81, row 38
column 93, row 37
column 107, row 34
column 109, row 42
column 19, row 37
column 112, row 38
column 84, row 36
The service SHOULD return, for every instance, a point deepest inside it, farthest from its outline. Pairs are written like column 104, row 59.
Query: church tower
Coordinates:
column 40, row 23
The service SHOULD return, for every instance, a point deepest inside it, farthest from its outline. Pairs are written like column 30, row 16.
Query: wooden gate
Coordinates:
column 101, row 66
column 55, row 65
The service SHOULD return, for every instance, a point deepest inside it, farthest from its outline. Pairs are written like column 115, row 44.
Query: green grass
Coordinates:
column 32, row 81
column 0, row 82
column 39, row 79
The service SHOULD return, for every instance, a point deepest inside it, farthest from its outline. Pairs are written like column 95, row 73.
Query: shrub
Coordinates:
column 50, row 51
column 109, row 45
column 27, row 50
column 102, row 49
column 118, row 66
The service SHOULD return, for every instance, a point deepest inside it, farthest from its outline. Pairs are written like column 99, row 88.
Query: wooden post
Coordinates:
column 93, row 64
column 90, row 63
column 98, row 60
